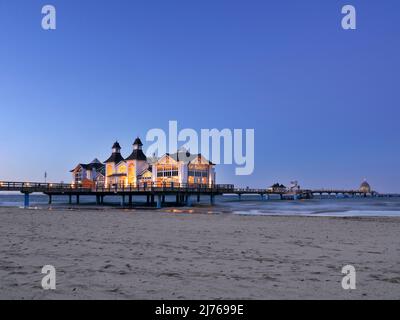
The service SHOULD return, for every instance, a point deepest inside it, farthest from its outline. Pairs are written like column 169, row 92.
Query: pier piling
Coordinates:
column 26, row 200
column 188, row 201
column 212, row 199
column 159, row 202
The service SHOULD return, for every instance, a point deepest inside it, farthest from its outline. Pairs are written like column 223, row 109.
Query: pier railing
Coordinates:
column 30, row 187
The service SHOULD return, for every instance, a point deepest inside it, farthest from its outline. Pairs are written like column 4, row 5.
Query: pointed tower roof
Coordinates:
column 116, row 145
column 137, row 153
column 116, row 156
column 138, row 142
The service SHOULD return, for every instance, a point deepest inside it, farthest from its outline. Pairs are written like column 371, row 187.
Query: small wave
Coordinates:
column 322, row 213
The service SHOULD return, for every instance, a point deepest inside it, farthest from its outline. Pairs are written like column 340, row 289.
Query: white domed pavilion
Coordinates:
column 365, row 187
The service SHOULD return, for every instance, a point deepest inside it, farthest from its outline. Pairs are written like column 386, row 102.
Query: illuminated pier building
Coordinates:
column 179, row 168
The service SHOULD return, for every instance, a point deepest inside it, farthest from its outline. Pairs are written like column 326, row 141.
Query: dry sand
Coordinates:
column 125, row 254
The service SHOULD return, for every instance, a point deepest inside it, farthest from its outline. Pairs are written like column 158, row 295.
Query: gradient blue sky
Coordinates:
column 324, row 102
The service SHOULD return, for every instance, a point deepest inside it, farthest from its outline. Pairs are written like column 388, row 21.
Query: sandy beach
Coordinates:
column 145, row 254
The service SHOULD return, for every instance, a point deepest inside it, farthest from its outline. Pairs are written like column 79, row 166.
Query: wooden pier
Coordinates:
column 156, row 193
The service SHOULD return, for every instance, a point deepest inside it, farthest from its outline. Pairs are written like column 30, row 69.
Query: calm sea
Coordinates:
column 346, row 207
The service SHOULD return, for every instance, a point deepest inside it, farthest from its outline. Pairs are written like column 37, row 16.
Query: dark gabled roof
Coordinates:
column 198, row 156
column 115, row 157
column 186, row 156
column 90, row 166
column 94, row 165
column 137, row 154
column 116, row 145
column 277, row 185
column 138, row 142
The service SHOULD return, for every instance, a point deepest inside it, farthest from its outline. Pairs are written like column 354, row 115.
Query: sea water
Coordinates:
column 328, row 206
column 248, row 205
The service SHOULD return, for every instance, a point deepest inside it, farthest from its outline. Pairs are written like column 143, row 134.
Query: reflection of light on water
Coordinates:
column 30, row 208
column 180, row 211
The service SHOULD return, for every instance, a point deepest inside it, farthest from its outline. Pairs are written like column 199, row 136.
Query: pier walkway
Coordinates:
column 156, row 193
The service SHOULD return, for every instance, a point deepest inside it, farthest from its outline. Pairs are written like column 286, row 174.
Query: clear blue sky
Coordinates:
column 324, row 102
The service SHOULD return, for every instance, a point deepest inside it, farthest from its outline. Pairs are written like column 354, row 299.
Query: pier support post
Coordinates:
column 77, row 199
column 147, row 199
column 70, row 199
column 122, row 201
column 163, row 199
column 240, row 197
column 130, row 200
column 159, row 202
column 198, row 197
column 212, row 199
column 188, row 201
column 152, row 199
column 97, row 199
column 50, row 199
column 26, row 200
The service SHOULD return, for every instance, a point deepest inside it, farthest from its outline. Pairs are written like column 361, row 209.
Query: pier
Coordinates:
column 155, row 194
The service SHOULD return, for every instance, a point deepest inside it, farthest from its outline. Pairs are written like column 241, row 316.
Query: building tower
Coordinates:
column 136, row 162
column 114, row 175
